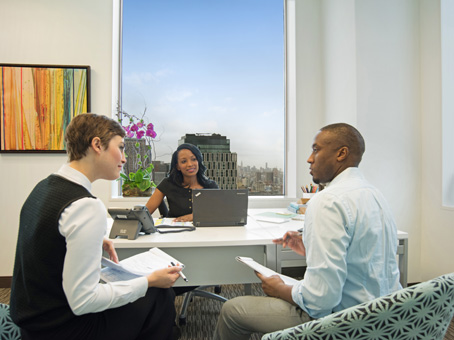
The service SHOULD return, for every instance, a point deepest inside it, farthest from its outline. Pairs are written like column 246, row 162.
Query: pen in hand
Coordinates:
column 180, row 272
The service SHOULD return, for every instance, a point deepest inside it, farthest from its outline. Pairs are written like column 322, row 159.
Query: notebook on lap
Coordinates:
column 219, row 208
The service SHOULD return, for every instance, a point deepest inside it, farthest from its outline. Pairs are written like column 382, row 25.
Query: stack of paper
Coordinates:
column 273, row 217
column 135, row 266
column 297, row 208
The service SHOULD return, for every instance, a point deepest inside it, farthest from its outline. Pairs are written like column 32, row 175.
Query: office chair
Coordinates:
column 192, row 291
column 422, row 311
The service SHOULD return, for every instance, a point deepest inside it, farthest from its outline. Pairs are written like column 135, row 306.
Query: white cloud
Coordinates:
column 179, row 96
column 272, row 113
column 218, row 109
column 137, row 79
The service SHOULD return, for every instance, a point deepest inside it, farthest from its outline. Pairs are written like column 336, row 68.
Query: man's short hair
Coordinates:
column 84, row 127
column 347, row 135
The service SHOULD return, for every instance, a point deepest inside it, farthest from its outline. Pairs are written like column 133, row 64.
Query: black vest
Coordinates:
column 37, row 298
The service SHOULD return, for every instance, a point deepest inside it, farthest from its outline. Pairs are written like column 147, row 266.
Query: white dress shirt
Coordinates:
column 351, row 244
column 83, row 224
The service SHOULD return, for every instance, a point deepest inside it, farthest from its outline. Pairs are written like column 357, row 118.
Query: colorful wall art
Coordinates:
column 37, row 102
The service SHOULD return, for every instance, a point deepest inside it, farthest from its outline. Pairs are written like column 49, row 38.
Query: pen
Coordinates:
column 300, row 233
column 181, row 273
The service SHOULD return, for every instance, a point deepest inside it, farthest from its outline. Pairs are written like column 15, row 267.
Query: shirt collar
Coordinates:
column 347, row 173
column 75, row 176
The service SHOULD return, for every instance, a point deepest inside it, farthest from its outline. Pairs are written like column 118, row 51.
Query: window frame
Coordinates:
column 290, row 159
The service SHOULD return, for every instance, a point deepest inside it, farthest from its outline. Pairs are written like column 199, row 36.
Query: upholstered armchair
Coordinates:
column 422, row 311
column 8, row 330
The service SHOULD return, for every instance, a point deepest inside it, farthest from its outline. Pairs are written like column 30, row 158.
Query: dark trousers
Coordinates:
column 150, row 317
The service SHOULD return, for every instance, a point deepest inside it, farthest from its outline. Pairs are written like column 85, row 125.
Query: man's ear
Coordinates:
column 96, row 145
column 342, row 153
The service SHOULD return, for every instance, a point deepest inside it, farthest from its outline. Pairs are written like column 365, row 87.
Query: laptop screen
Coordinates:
column 217, row 207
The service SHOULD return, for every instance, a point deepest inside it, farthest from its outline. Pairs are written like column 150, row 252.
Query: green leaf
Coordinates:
column 144, row 185
column 139, row 176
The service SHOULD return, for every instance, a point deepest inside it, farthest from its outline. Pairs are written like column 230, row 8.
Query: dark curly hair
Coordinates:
column 176, row 176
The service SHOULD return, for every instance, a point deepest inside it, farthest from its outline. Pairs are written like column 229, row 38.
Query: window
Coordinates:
column 211, row 73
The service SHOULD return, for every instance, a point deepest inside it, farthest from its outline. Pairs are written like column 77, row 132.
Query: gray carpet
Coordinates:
column 203, row 313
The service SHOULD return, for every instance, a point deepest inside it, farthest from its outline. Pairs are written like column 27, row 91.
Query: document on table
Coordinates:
column 264, row 270
column 273, row 217
column 135, row 266
column 170, row 221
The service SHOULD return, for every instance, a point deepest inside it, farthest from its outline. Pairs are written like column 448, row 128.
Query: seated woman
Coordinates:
column 187, row 172
column 55, row 291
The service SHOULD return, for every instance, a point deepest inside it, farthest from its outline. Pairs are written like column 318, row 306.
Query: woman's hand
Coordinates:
column 184, row 218
column 164, row 278
column 109, row 248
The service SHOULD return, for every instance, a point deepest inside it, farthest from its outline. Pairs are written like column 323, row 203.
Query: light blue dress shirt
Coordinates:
column 351, row 243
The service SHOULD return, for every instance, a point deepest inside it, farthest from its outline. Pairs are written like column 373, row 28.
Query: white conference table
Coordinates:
column 209, row 253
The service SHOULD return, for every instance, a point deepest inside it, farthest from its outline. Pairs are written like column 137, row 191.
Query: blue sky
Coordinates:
column 208, row 67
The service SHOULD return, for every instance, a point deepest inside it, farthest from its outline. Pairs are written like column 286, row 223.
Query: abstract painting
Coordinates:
column 37, row 102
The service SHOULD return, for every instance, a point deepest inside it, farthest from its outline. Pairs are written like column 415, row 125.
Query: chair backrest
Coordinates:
column 422, row 311
column 8, row 329
column 163, row 210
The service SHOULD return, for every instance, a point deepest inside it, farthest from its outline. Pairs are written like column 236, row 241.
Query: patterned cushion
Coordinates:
column 422, row 311
column 8, row 330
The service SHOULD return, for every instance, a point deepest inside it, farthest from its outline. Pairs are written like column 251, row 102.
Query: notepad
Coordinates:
column 274, row 217
column 270, row 219
column 136, row 266
column 264, row 270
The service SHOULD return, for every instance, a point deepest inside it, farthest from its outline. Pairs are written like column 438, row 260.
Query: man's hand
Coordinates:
column 293, row 240
column 271, row 284
column 108, row 247
column 274, row 286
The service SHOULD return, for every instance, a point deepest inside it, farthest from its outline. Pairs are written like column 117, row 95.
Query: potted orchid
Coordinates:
column 137, row 177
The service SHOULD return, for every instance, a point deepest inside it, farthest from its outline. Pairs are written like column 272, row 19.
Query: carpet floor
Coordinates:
column 203, row 313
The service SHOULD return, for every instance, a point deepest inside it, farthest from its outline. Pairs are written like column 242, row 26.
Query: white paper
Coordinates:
column 138, row 265
column 171, row 222
column 264, row 270
column 111, row 275
column 271, row 219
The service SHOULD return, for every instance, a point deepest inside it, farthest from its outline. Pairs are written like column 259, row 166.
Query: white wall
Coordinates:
column 62, row 32
column 372, row 63
column 365, row 71
column 437, row 252
column 389, row 109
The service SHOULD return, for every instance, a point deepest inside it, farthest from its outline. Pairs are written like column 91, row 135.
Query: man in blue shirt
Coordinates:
column 349, row 240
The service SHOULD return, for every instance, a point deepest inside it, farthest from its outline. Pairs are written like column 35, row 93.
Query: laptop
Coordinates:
column 219, row 208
